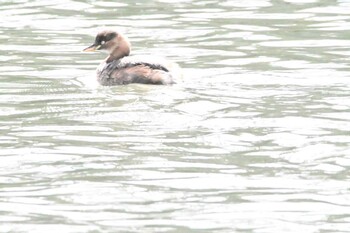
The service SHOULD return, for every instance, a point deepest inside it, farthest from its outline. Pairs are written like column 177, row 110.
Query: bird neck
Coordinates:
column 122, row 50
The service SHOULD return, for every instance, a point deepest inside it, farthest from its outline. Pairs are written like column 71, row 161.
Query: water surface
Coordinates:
column 255, row 138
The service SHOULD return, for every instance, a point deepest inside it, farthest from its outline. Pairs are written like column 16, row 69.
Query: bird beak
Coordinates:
column 92, row 48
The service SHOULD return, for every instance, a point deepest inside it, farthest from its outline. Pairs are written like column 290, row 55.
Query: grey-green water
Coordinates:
column 256, row 138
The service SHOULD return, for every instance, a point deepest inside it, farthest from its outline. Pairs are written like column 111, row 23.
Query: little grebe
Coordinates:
column 120, row 68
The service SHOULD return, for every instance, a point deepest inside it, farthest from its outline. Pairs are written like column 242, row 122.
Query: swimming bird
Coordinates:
column 120, row 68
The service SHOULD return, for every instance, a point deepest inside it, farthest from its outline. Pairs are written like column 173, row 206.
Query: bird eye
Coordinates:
column 102, row 42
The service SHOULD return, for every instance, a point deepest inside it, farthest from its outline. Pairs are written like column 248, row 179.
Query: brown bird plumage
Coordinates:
column 119, row 68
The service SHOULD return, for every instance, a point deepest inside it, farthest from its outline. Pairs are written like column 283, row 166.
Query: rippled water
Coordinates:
column 255, row 138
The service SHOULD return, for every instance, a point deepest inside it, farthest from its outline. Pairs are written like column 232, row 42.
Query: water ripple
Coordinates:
column 255, row 138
